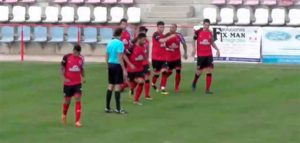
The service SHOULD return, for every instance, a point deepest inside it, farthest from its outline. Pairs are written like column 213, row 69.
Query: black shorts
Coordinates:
column 115, row 74
column 71, row 90
column 205, row 62
column 146, row 69
column 174, row 64
column 158, row 65
column 133, row 75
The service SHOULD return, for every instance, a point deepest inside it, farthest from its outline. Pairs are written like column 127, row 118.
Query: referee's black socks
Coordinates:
column 118, row 98
column 108, row 98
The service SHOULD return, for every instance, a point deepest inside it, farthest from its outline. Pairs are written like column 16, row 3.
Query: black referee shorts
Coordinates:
column 115, row 74
column 71, row 90
column 205, row 62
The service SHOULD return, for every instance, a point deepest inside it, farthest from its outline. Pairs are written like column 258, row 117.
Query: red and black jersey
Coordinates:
column 173, row 47
column 146, row 45
column 204, row 40
column 136, row 57
column 73, row 68
column 158, row 49
column 125, row 38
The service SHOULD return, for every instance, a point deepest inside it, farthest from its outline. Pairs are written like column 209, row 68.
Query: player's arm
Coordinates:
column 63, row 68
column 213, row 44
column 126, row 59
column 106, row 58
column 82, row 71
column 163, row 40
column 194, row 43
column 183, row 42
column 148, row 52
column 121, row 61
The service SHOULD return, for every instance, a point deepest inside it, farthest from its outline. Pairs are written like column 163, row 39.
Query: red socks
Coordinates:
column 163, row 81
column 147, row 88
column 177, row 79
column 66, row 106
column 196, row 79
column 154, row 79
column 77, row 111
column 208, row 81
column 132, row 85
column 138, row 92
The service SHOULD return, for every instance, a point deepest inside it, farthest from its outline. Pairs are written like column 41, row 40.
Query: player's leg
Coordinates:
column 119, row 79
column 109, row 92
column 77, row 96
column 177, row 75
column 147, row 83
column 156, row 72
column 198, row 72
column 208, row 71
column 164, row 78
column 66, row 103
column 110, row 88
column 132, row 83
column 139, row 90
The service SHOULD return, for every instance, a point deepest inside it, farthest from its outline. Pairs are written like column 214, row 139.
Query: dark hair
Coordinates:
column 77, row 48
column 206, row 21
column 123, row 20
column 140, row 36
column 118, row 32
column 160, row 23
column 143, row 28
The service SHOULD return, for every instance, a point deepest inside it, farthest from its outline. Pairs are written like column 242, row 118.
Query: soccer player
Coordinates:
column 204, row 40
column 158, row 55
column 125, row 36
column 126, row 39
column 137, row 56
column 173, row 55
column 72, row 73
column 146, row 62
column 116, row 71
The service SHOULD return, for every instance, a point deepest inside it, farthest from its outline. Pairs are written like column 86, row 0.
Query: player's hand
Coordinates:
column 66, row 80
column 125, row 74
column 132, row 66
column 83, row 80
column 185, row 56
column 193, row 53
column 218, row 53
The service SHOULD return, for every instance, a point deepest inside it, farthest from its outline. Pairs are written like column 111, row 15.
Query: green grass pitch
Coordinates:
column 251, row 104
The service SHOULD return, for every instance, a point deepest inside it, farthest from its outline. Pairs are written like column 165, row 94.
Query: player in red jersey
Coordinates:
column 137, row 57
column 204, row 39
column 126, row 39
column 146, row 62
column 158, row 55
column 125, row 36
column 72, row 73
column 173, row 55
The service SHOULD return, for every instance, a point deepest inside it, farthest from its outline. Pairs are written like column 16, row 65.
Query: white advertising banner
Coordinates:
column 238, row 44
column 281, row 45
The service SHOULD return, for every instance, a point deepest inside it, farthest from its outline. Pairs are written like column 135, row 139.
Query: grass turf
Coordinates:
column 251, row 104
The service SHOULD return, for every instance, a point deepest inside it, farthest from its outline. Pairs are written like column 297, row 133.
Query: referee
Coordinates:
column 116, row 71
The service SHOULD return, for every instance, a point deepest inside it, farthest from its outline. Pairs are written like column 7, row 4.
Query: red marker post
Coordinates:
column 22, row 46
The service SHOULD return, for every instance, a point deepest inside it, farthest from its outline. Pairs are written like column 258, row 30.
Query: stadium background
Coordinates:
column 253, row 103
column 51, row 27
